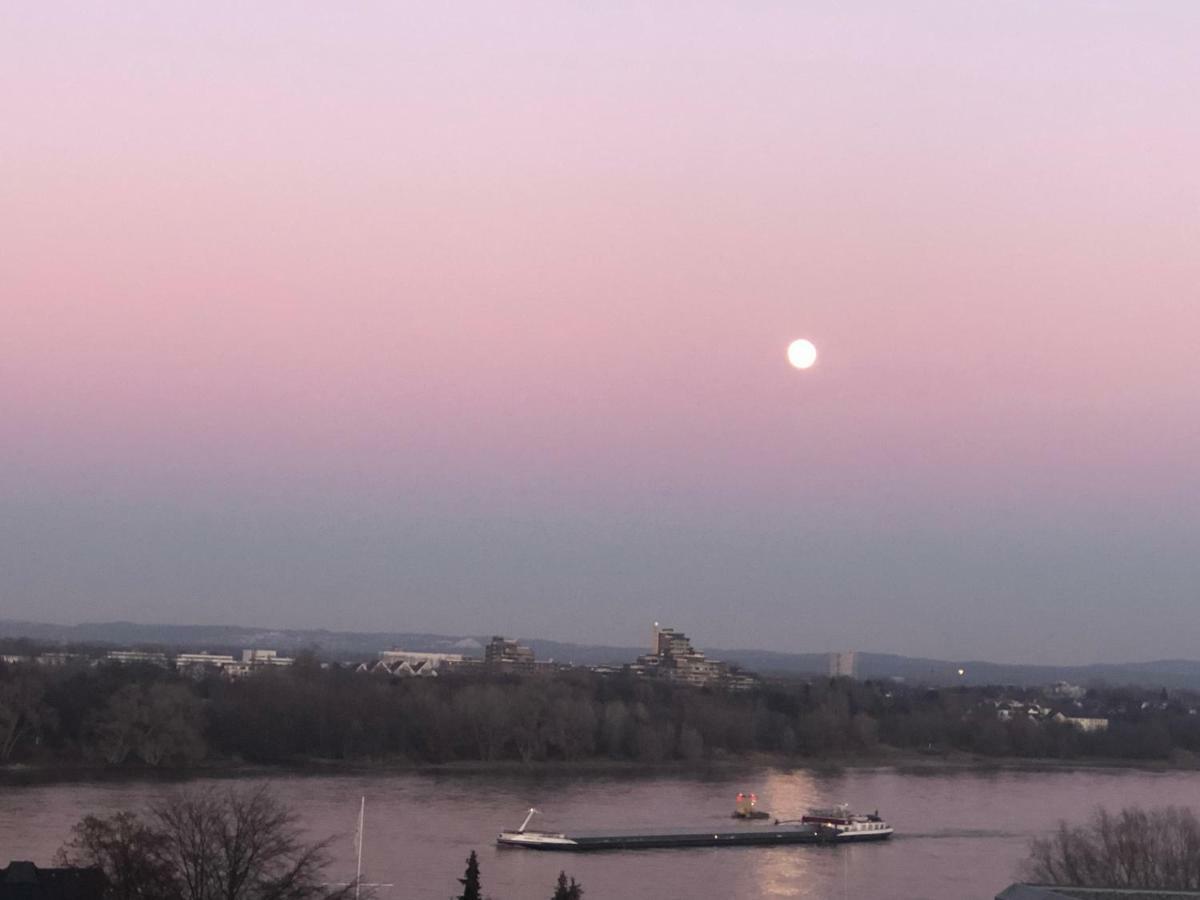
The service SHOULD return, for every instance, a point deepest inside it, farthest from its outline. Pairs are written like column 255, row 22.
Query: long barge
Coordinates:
column 821, row 827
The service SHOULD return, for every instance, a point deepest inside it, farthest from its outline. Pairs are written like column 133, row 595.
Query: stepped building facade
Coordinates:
column 675, row 659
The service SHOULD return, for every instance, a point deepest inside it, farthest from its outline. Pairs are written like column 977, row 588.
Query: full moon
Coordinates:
column 802, row 354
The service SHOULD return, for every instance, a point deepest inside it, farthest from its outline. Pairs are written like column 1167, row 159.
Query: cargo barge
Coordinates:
column 836, row 826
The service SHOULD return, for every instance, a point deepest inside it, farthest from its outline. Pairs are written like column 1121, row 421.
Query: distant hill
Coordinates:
column 1170, row 673
column 351, row 645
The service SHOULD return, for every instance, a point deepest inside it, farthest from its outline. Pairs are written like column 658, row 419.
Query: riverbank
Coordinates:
column 899, row 761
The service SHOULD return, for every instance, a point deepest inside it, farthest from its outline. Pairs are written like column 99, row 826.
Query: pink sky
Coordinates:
column 417, row 274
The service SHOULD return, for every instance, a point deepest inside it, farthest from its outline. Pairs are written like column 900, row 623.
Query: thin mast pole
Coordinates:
column 362, row 810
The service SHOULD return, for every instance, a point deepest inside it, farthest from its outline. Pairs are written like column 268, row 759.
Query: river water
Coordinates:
column 959, row 833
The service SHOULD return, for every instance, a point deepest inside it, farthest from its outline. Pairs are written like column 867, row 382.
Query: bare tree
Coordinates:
column 240, row 845
column 484, row 709
column 1134, row 848
column 157, row 723
column 130, row 853
column 23, row 714
column 234, row 844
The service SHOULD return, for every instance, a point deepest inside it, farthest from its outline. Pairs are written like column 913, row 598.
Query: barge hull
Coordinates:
column 766, row 837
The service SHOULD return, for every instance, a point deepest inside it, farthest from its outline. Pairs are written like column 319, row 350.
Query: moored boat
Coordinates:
column 746, row 807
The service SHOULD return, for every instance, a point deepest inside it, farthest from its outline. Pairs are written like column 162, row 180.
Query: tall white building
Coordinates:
column 843, row 665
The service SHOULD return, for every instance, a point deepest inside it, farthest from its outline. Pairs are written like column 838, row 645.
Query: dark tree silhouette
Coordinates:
column 152, row 716
column 470, row 880
column 565, row 891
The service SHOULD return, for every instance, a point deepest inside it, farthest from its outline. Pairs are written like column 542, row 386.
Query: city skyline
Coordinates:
column 460, row 321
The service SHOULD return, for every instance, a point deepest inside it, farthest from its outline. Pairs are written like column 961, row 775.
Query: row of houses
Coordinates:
column 192, row 663
column 1008, row 710
column 1067, row 704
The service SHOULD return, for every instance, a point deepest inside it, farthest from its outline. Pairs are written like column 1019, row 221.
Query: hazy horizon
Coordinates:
column 473, row 319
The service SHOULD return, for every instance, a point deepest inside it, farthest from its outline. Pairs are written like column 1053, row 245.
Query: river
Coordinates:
column 959, row 833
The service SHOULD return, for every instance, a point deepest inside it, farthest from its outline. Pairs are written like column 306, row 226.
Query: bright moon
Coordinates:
column 802, row 354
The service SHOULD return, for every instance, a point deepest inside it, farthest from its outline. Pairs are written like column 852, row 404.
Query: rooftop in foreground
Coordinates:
column 1065, row 892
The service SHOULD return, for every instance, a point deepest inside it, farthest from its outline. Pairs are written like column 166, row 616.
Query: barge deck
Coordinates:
column 718, row 836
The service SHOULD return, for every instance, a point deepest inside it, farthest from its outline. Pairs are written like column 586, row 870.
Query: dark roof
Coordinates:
column 21, row 872
column 22, row 880
column 1065, row 892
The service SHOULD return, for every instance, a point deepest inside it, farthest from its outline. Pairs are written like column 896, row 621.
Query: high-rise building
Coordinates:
column 843, row 665
column 674, row 658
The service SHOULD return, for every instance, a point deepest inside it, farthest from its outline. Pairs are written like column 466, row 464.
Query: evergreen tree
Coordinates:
column 470, row 881
column 565, row 891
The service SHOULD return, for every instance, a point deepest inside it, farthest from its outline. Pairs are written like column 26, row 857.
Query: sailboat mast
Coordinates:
column 362, row 810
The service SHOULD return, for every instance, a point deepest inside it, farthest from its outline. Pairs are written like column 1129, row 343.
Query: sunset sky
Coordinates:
column 472, row 318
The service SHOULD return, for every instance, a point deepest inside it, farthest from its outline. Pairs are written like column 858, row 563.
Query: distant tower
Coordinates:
column 654, row 639
column 843, row 665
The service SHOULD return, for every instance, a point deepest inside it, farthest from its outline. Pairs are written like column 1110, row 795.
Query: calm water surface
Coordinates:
column 959, row 834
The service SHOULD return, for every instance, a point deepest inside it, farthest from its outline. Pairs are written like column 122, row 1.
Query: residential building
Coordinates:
column 402, row 669
column 414, row 663
column 196, row 663
column 22, row 880
column 58, row 659
column 505, row 654
column 1083, row 723
column 130, row 657
column 1072, row 892
column 843, row 665
column 675, row 659
column 230, row 666
column 265, row 658
column 1008, row 709
column 418, row 659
